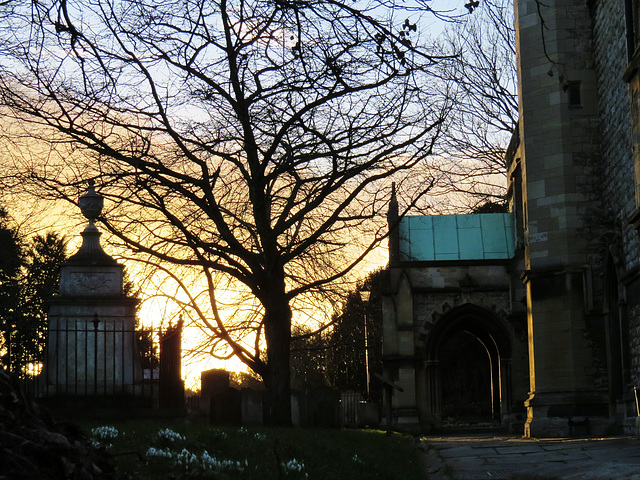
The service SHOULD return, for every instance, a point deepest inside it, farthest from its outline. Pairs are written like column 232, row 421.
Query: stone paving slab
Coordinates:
column 517, row 449
column 542, row 457
column 482, row 457
column 565, row 457
column 493, row 475
column 556, row 446
column 465, row 451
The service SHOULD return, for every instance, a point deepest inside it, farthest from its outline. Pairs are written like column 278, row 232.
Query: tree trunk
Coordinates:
column 277, row 327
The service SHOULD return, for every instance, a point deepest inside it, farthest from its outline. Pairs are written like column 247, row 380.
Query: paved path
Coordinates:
column 476, row 457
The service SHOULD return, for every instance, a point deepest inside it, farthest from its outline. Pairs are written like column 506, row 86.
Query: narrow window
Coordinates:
column 636, row 23
column 631, row 19
column 573, row 90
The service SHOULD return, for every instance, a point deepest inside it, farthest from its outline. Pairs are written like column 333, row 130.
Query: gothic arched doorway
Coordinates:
column 468, row 380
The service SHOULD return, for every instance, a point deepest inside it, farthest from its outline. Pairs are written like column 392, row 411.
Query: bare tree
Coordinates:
column 240, row 142
column 483, row 81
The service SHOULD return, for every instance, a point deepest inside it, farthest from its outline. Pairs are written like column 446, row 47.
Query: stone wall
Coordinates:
column 560, row 141
column 562, row 175
column 615, row 127
column 620, row 239
column 634, row 333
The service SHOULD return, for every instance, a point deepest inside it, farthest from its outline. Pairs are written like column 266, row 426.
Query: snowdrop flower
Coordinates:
column 156, row 452
column 213, row 463
column 186, row 458
column 169, row 435
column 293, row 465
column 220, row 434
column 105, row 433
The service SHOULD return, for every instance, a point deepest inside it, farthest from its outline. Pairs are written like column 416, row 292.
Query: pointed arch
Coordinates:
column 489, row 329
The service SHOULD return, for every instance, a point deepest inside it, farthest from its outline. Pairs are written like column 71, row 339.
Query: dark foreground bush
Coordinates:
column 34, row 446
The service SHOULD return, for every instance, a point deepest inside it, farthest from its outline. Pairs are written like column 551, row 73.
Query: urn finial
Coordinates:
column 91, row 253
column 91, row 203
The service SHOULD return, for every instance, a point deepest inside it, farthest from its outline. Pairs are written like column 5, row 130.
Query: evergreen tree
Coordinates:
column 38, row 280
column 29, row 273
column 11, row 261
column 346, row 364
column 308, row 359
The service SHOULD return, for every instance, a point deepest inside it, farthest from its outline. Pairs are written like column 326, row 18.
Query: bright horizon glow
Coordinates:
column 38, row 217
column 155, row 312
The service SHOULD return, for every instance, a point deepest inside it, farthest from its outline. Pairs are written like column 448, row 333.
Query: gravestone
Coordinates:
column 252, row 407
column 324, row 408
column 212, row 382
column 368, row 414
column 171, row 383
column 297, row 400
column 226, row 407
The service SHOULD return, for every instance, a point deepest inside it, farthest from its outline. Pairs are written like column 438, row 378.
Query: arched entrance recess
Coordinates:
column 486, row 328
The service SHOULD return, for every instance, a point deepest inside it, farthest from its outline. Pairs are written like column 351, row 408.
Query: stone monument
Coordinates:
column 91, row 347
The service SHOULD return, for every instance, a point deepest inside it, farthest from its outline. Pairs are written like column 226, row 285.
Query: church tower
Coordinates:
column 559, row 158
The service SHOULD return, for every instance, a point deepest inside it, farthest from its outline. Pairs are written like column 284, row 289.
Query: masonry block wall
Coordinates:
column 634, row 345
column 632, row 102
column 561, row 176
column 615, row 127
column 620, row 239
column 560, row 140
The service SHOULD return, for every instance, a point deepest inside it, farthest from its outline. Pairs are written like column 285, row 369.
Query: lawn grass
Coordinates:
column 262, row 453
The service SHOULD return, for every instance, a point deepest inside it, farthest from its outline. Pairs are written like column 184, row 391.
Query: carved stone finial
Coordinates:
column 91, row 253
column 91, row 203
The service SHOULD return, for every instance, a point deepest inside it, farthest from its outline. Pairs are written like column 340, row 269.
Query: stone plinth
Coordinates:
column 91, row 348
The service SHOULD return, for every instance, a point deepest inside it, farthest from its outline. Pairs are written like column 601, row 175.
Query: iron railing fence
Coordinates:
column 95, row 363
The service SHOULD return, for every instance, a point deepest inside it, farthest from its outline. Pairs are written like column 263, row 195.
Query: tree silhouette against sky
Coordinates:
column 247, row 143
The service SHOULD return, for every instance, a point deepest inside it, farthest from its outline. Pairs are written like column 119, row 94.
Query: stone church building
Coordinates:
column 547, row 295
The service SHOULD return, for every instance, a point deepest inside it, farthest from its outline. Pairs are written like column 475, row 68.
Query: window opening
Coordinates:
column 575, row 98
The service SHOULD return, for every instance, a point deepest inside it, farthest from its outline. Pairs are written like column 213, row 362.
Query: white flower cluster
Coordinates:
column 156, row 452
column 214, row 464
column 104, row 433
column 293, row 466
column 170, row 435
column 356, row 459
column 188, row 460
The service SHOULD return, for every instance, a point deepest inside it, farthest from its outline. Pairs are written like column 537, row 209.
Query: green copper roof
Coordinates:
column 457, row 237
